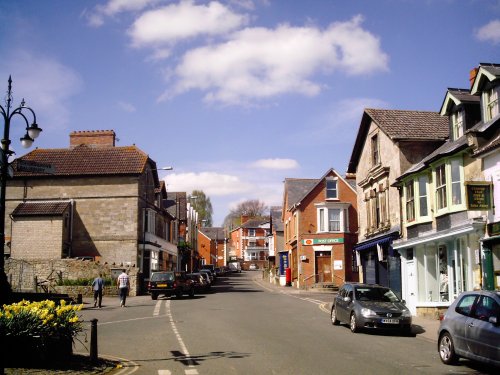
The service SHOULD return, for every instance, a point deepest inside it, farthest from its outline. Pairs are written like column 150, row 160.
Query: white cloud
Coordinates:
column 176, row 22
column 260, row 63
column 46, row 84
column 212, row 183
column 489, row 32
column 127, row 107
column 275, row 164
column 113, row 7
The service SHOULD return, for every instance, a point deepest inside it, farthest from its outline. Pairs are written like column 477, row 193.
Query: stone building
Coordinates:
column 93, row 200
column 387, row 144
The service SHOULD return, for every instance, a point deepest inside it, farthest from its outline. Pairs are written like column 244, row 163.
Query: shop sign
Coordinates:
column 478, row 195
column 494, row 229
column 322, row 241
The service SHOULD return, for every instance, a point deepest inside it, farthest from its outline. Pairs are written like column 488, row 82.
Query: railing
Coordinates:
column 307, row 278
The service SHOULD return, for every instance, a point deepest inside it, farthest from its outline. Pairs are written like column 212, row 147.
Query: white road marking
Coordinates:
column 191, row 370
column 164, row 372
column 156, row 311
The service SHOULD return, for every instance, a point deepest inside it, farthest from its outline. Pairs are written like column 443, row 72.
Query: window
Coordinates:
column 422, row 195
column 456, row 183
column 485, row 308
column 331, row 189
column 464, row 307
column 441, row 186
column 491, row 103
column 149, row 221
column 376, row 209
column 410, row 202
column 457, row 124
column 251, row 233
column 332, row 219
column 375, row 150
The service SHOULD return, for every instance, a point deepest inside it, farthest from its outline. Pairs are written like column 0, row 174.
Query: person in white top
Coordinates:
column 123, row 286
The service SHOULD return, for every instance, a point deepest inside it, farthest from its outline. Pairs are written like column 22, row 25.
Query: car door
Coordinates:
column 340, row 304
column 460, row 320
column 482, row 336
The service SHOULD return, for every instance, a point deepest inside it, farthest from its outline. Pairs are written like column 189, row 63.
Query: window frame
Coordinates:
column 411, row 214
column 323, row 221
column 491, row 103
column 330, row 189
column 457, row 124
column 451, row 205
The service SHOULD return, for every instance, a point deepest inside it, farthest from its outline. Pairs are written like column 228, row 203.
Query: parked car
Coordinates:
column 370, row 306
column 211, row 268
column 253, row 267
column 170, row 283
column 470, row 328
column 206, row 277
column 200, row 283
column 209, row 273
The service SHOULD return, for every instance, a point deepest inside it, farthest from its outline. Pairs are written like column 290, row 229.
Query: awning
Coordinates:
column 374, row 242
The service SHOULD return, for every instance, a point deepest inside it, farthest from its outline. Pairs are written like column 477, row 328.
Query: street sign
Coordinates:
column 35, row 167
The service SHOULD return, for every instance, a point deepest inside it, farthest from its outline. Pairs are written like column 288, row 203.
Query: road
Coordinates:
column 246, row 327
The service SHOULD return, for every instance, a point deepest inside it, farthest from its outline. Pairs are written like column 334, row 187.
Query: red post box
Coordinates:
column 288, row 276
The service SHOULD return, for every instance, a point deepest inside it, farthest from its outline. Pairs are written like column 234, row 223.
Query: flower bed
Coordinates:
column 39, row 331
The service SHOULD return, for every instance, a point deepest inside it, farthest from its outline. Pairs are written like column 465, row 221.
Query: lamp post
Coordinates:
column 32, row 132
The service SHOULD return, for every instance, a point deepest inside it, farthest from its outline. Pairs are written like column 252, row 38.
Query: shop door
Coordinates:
column 370, row 267
column 324, row 267
column 411, row 298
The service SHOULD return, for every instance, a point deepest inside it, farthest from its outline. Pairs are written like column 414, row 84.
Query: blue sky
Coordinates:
column 237, row 95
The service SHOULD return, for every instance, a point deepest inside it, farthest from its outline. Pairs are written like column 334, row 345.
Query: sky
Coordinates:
column 236, row 95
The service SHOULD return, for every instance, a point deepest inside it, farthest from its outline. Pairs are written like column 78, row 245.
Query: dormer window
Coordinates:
column 331, row 189
column 490, row 98
column 457, row 124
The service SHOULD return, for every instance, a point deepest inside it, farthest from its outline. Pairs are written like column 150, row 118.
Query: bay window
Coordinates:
column 410, row 201
column 449, row 186
column 441, row 186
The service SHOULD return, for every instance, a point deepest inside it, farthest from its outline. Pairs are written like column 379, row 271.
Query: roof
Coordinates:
column 400, row 125
column 448, row 148
column 41, row 208
column 486, row 72
column 214, row 233
column 87, row 161
column 176, row 204
column 275, row 213
column 255, row 223
column 456, row 97
column 296, row 188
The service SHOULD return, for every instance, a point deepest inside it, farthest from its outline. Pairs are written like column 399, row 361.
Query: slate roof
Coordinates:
column 400, row 125
column 176, row 204
column 407, row 125
column 255, row 223
column 296, row 188
column 88, row 161
column 214, row 233
column 41, row 208
column 276, row 212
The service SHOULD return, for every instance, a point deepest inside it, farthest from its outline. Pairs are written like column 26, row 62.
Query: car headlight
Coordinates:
column 406, row 313
column 368, row 312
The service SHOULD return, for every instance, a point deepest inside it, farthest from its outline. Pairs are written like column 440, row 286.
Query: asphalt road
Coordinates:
column 246, row 327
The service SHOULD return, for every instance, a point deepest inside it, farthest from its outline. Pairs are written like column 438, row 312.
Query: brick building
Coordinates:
column 320, row 229
column 211, row 249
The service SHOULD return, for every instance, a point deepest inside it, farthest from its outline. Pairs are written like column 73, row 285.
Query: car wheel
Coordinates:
column 447, row 350
column 191, row 293
column 353, row 324
column 178, row 293
column 154, row 296
column 333, row 317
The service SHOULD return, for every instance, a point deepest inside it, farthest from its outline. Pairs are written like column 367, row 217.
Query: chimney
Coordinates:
column 92, row 138
column 244, row 219
column 472, row 76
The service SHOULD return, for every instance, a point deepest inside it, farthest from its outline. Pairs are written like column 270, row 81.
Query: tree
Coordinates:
column 203, row 206
column 250, row 208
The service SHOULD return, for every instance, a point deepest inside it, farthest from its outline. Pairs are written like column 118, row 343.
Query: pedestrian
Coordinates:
column 98, row 286
column 123, row 286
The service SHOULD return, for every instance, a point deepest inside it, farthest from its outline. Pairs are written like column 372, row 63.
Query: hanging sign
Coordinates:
column 478, row 195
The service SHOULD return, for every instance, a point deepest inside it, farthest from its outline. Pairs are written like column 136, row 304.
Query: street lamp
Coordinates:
column 32, row 132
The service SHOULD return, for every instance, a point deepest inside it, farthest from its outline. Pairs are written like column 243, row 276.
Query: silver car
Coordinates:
column 370, row 306
column 471, row 328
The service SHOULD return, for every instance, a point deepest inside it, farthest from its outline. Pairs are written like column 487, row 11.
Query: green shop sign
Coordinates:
column 322, row 241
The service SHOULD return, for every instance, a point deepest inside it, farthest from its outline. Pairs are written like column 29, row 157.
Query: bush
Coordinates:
column 44, row 319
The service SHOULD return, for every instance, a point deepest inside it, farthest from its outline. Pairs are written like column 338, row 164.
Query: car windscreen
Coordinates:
column 376, row 294
column 167, row 276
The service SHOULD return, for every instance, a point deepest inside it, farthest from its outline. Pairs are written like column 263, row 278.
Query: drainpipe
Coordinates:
column 72, row 208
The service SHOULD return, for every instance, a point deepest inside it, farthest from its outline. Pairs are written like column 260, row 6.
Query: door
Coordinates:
column 324, row 267
column 482, row 336
column 412, row 298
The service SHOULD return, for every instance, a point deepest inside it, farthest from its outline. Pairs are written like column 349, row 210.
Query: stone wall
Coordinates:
column 44, row 275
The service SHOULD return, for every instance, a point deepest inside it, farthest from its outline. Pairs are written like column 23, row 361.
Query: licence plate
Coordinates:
column 161, row 285
column 390, row 321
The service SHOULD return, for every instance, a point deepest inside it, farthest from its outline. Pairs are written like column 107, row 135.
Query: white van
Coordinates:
column 235, row 266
